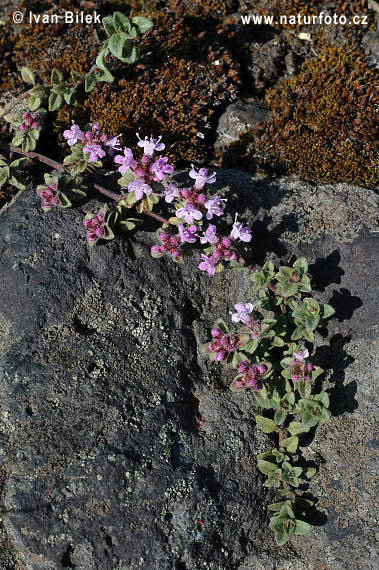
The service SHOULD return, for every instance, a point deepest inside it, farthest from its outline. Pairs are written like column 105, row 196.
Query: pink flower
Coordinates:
column 171, row 192
column 187, row 235
column 30, row 121
column 140, row 188
column 208, row 264
column 240, row 232
column 210, row 235
column 95, row 226
column 202, row 177
column 243, row 313
column 300, row 356
column 95, row 151
column 189, row 213
column 249, row 376
column 160, row 168
column 151, row 145
column 73, row 135
column 50, row 197
column 170, row 245
column 300, row 367
column 127, row 161
column 214, row 207
column 113, row 145
column 223, row 344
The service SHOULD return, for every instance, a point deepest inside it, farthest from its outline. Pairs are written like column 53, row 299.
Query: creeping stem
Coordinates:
column 60, row 167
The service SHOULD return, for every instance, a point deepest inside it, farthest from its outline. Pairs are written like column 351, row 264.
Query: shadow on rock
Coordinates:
column 342, row 397
column 325, row 271
column 344, row 304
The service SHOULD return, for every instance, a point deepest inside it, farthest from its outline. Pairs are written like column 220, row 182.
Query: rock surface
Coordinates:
column 120, row 447
column 238, row 118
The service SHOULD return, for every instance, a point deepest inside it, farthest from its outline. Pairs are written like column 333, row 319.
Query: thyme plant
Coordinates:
column 269, row 347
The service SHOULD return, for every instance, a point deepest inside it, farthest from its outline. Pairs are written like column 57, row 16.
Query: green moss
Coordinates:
column 323, row 124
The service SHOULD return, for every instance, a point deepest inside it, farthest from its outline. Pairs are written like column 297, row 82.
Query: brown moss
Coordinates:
column 201, row 8
column 176, row 90
column 66, row 47
column 147, row 8
column 323, row 124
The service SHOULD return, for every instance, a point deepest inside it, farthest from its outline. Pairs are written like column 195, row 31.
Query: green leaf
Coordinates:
column 296, row 428
column 116, row 43
column 129, row 52
column 250, row 346
column 27, row 75
column 55, row 101
column 18, row 139
column 34, row 103
column 3, row 176
column 273, row 479
column 276, row 506
column 305, row 285
column 76, row 76
column 311, row 322
column 286, row 511
column 310, row 472
column 65, row 202
column 290, row 444
column 143, row 25
column 305, row 389
column 131, row 223
column 121, row 22
column 265, row 424
column 104, row 76
column 302, row 527
column 289, row 398
column 265, row 455
column 38, row 91
column 19, row 163
column 302, row 264
column 100, row 60
column 327, row 311
column 262, row 399
column 298, row 333
column 280, row 416
column 323, row 397
column 266, row 467
column 56, row 76
column 69, row 94
column 17, row 182
column 90, row 82
column 59, row 89
column 277, row 341
column 308, row 335
column 108, row 26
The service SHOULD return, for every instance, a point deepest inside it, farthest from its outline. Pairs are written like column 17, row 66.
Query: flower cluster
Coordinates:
column 192, row 208
column 50, row 196
column 147, row 170
column 95, row 226
column 170, row 244
column 249, row 376
column 300, row 366
column 93, row 142
column 30, row 121
column 242, row 315
column 222, row 344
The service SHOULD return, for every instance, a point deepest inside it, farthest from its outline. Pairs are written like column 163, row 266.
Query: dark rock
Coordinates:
column 238, row 118
column 120, row 447
column 370, row 43
column 264, row 64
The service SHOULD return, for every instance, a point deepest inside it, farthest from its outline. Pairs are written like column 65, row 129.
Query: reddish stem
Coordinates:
column 60, row 167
